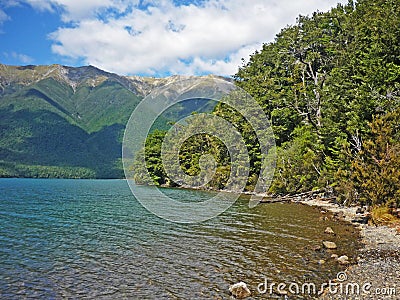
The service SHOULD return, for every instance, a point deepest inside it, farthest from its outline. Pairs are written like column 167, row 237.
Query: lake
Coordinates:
column 63, row 238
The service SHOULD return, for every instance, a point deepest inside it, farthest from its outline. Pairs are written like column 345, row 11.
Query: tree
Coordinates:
column 377, row 166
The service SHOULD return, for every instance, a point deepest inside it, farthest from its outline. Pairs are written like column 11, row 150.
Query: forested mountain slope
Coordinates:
column 59, row 121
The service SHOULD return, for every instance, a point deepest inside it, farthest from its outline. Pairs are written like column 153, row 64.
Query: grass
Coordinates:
column 381, row 215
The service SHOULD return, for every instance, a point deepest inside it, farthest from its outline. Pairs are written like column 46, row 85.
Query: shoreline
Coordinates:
column 378, row 263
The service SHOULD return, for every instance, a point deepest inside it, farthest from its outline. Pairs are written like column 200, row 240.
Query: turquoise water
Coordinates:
column 92, row 239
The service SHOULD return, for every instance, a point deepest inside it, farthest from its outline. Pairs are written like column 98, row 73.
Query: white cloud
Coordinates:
column 3, row 16
column 76, row 10
column 22, row 58
column 160, row 37
column 224, row 66
column 41, row 5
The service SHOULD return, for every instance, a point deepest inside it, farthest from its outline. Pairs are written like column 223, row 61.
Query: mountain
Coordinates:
column 59, row 121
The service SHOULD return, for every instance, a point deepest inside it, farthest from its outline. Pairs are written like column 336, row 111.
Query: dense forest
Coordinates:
column 330, row 85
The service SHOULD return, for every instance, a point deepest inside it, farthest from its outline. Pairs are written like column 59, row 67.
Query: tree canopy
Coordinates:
column 330, row 84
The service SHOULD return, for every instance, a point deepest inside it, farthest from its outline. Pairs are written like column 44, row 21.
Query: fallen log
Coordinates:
column 295, row 198
column 276, row 200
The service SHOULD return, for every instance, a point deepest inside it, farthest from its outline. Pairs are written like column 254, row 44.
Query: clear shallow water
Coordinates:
column 92, row 239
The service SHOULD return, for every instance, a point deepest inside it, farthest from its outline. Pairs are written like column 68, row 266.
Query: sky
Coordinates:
column 145, row 37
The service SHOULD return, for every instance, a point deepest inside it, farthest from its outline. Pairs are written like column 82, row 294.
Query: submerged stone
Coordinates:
column 329, row 230
column 329, row 245
column 240, row 290
column 343, row 260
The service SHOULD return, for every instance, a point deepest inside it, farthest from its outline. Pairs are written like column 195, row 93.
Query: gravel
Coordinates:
column 377, row 273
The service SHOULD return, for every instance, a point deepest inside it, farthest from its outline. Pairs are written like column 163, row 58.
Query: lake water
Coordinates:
column 92, row 239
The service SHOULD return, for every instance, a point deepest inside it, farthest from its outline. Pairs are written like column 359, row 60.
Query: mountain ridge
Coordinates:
column 61, row 121
column 91, row 75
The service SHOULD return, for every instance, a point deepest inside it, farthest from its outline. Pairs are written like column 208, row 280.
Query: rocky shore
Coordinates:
column 377, row 273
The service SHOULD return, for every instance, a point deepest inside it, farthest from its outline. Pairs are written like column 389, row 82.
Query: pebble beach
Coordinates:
column 377, row 272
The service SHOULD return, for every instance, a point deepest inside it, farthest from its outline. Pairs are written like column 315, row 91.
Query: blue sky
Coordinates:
column 144, row 37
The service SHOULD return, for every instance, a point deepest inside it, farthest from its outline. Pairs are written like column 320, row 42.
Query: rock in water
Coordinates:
column 339, row 215
column 343, row 260
column 329, row 230
column 240, row 290
column 329, row 245
column 316, row 247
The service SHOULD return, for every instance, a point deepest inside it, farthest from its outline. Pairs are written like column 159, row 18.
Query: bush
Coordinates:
column 381, row 215
column 376, row 169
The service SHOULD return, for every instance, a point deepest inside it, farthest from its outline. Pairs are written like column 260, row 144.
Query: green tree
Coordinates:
column 377, row 165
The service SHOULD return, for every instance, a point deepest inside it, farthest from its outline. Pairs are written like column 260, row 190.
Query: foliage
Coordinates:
column 377, row 166
column 331, row 86
column 322, row 81
column 299, row 163
column 37, row 171
column 190, row 154
column 153, row 162
column 381, row 215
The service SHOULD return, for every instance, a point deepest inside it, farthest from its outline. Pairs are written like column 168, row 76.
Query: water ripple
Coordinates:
column 91, row 239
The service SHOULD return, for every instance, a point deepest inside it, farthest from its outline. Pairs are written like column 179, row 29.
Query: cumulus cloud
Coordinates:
column 162, row 37
column 167, row 39
column 22, row 58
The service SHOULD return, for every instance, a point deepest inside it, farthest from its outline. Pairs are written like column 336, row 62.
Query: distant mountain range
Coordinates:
column 59, row 121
